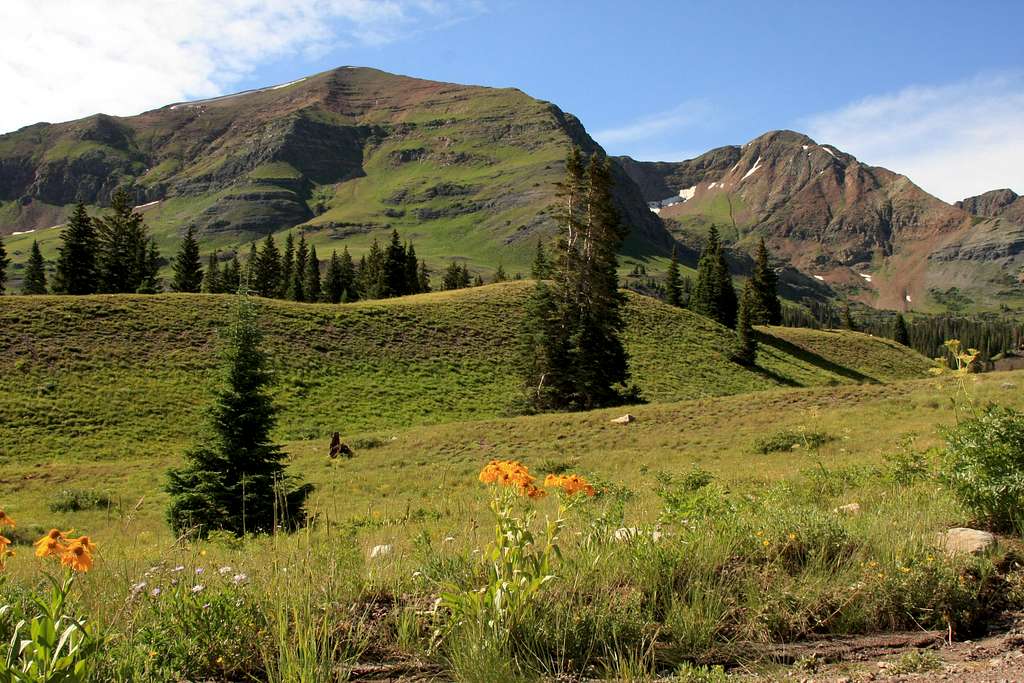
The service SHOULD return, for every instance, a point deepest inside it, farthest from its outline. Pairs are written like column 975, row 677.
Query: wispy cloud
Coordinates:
column 954, row 140
column 661, row 124
column 64, row 59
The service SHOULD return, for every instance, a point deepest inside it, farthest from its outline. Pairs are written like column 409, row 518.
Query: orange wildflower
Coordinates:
column 5, row 520
column 53, row 543
column 85, row 541
column 4, row 552
column 513, row 474
column 570, row 484
column 77, row 556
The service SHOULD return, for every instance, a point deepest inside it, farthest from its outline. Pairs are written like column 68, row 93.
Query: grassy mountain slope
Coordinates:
column 868, row 233
column 467, row 173
column 101, row 377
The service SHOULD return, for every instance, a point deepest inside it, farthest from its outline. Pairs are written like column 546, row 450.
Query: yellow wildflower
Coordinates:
column 513, row 474
column 53, row 543
column 571, row 484
column 77, row 556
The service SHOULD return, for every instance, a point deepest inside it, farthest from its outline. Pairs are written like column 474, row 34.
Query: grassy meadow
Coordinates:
column 714, row 536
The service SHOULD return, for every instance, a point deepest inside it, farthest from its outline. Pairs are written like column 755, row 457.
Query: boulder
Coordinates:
column 624, row 420
column 380, row 551
column 964, row 540
column 848, row 509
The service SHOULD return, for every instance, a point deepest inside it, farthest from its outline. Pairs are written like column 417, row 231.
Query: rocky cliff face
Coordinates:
column 864, row 230
column 996, row 204
column 347, row 152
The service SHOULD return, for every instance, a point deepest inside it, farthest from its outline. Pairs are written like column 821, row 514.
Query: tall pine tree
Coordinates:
column 266, row 275
column 127, row 259
column 899, row 332
column 231, row 276
column 235, row 480
column 34, row 281
column 76, row 265
column 334, row 286
column 713, row 295
column 5, row 261
column 423, row 278
column 572, row 354
column 541, row 267
column 312, row 284
column 188, row 268
column 412, row 280
column 673, row 287
column 297, row 291
column 746, row 336
column 288, row 267
column 395, row 268
column 212, row 281
column 766, row 307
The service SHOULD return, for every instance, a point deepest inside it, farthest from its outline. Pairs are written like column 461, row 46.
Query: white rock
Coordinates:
column 849, row 509
column 624, row 420
column 964, row 540
column 624, row 534
column 380, row 551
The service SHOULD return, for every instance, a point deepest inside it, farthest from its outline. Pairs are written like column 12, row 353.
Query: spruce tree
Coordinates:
column 34, row 281
column 334, row 286
column 312, row 284
column 541, row 267
column 673, row 290
column 847, row 319
column 76, row 265
column 231, row 276
column 714, row 295
column 423, row 278
column 126, row 259
column 453, row 277
column 350, row 289
column 900, row 333
column 248, row 273
column 572, row 355
column 297, row 291
column 212, row 279
column 478, row 281
column 371, row 273
column 288, row 267
column 394, row 268
column 150, row 268
column 767, row 308
column 235, row 479
column 499, row 274
column 266, row 276
column 746, row 336
column 412, row 280
column 4, row 262
column 188, row 268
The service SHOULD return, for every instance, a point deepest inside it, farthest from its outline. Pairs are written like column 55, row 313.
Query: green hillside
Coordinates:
column 119, row 376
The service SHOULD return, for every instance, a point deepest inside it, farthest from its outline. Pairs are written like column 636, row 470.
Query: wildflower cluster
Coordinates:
column 569, row 484
column 75, row 553
column 4, row 541
column 513, row 474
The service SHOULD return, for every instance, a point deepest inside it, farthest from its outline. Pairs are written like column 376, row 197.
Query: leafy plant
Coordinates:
column 788, row 439
column 75, row 500
column 983, row 463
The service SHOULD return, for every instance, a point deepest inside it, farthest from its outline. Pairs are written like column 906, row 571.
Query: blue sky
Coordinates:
column 932, row 89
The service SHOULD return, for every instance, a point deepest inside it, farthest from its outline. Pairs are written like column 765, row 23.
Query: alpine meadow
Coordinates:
column 313, row 373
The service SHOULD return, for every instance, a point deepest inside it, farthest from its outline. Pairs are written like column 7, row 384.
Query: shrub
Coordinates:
column 75, row 500
column 788, row 439
column 984, row 466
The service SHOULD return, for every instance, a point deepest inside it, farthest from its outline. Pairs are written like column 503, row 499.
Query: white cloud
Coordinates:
column 64, row 59
column 954, row 140
column 682, row 116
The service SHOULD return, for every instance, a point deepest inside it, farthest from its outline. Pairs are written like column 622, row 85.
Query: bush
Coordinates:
column 788, row 439
column 984, row 466
column 75, row 500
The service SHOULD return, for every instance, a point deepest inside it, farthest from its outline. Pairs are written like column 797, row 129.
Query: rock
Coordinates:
column 848, row 509
column 624, row 420
column 380, row 551
column 964, row 540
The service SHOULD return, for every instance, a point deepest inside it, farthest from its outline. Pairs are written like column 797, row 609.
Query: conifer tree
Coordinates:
column 847, row 319
column 312, row 284
column 478, row 281
column 767, row 308
column 572, row 356
column 334, row 286
column 34, row 281
column 412, row 280
column 297, row 291
column 394, row 268
column 212, row 279
column 248, row 271
column 127, row 260
column 746, row 336
column 4, row 262
column 76, row 265
column 423, row 278
column 288, row 267
column 541, row 267
column 350, row 289
column 266, row 275
column 231, row 276
column 900, row 333
column 188, row 269
column 235, row 479
column 673, row 290
column 454, row 277
column 714, row 295
column 371, row 273
column 499, row 274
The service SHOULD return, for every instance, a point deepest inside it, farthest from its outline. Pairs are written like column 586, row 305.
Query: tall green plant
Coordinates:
column 76, row 265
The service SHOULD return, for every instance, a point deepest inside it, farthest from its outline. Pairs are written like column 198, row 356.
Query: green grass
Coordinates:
column 116, row 376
